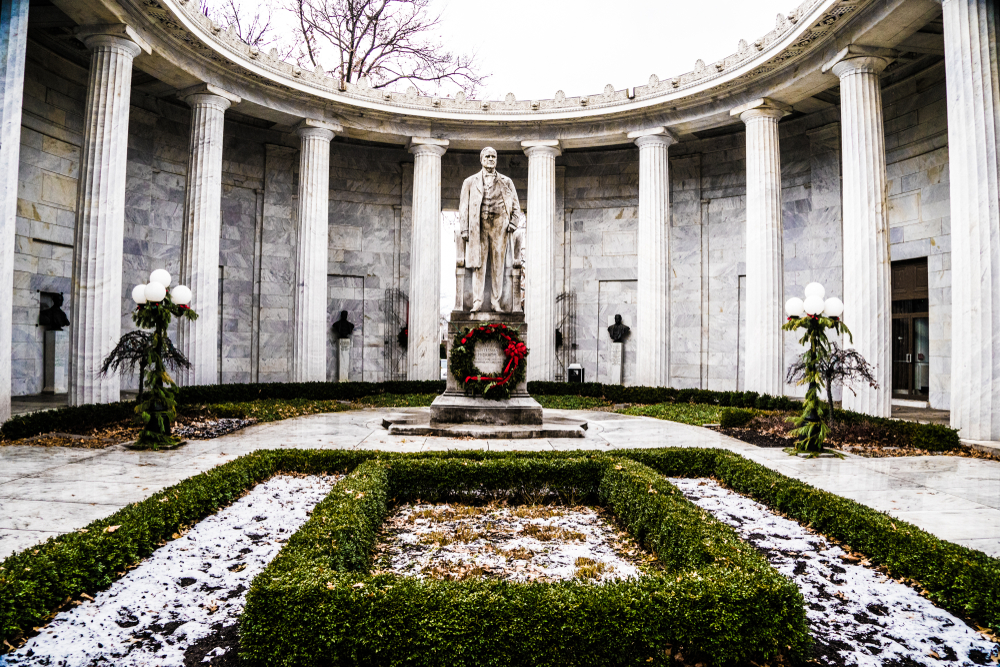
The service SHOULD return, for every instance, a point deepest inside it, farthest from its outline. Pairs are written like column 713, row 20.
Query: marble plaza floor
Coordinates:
column 48, row 491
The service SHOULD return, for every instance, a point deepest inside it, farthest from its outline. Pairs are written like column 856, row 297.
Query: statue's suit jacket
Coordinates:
column 469, row 207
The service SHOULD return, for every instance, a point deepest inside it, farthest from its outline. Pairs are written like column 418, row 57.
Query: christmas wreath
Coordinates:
column 473, row 380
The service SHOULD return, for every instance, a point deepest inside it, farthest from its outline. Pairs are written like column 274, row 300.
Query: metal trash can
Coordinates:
column 575, row 373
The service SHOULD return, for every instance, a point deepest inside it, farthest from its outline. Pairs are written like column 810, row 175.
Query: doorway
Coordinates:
column 910, row 330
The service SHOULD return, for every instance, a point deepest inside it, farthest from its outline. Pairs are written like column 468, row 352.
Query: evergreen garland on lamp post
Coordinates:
column 815, row 315
column 156, row 407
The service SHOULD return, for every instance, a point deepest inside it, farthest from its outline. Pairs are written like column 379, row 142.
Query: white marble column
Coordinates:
column 540, row 286
column 311, row 251
column 652, row 322
column 867, row 297
column 13, row 39
column 199, row 340
column 970, row 58
column 100, row 212
column 423, row 348
column 765, row 371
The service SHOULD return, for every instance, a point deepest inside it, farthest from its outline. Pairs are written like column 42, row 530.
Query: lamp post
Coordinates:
column 155, row 308
column 815, row 314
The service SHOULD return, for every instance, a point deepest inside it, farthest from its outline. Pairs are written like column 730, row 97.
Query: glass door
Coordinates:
column 921, row 358
column 901, row 356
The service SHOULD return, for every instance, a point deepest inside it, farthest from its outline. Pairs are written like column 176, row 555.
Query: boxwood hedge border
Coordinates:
column 38, row 581
column 931, row 437
column 317, row 604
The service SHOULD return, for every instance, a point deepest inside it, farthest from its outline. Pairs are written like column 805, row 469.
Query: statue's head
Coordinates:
column 488, row 158
column 57, row 300
column 618, row 319
column 343, row 316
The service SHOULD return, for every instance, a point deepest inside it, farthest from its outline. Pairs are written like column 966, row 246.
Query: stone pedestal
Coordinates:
column 343, row 359
column 54, row 362
column 454, row 406
column 616, row 359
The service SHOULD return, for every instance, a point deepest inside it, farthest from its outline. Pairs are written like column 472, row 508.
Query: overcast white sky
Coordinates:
column 535, row 47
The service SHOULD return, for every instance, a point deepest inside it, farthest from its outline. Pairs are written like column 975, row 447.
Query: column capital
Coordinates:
column 857, row 58
column 764, row 107
column 653, row 136
column 541, row 147
column 428, row 146
column 310, row 127
column 118, row 34
column 203, row 93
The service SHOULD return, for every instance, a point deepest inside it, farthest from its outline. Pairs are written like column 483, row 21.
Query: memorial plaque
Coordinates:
column 489, row 357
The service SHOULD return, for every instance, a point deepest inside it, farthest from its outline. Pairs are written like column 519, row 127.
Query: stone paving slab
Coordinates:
column 47, row 491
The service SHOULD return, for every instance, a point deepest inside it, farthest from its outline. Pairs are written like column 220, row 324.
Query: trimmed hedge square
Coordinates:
column 316, row 604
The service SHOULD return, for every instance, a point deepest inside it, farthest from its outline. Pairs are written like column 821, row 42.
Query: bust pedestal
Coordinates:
column 343, row 359
column 455, row 407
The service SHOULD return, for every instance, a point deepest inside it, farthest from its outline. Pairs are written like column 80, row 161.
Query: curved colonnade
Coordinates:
column 695, row 203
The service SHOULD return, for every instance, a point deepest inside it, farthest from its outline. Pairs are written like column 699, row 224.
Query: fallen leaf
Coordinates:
column 84, row 595
column 111, row 529
column 358, row 585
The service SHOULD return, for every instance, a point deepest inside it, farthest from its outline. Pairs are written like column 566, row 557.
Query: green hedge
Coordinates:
column 649, row 395
column 716, row 594
column 931, row 437
column 36, row 581
column 86, row 417
column 736, row 417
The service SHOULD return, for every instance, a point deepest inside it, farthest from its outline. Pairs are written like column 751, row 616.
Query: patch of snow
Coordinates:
column 857, row 615
column 513, row 543
column 185, row 591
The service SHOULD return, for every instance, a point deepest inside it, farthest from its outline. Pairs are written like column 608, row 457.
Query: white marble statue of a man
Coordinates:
column 488, row 213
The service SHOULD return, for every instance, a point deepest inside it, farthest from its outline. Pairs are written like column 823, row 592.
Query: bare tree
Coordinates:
column 842, row 366
column 254, row 25
column 386, row 41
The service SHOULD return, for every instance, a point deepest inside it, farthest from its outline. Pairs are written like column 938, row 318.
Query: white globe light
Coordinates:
column 181, row 295
column 834, row 307
column 155, row 292
column 160, row 276
column 816, row 290
column 813, row 305
column 139, row 294
column 793, row 307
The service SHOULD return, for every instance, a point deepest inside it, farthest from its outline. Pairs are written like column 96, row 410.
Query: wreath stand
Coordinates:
column 458, row 406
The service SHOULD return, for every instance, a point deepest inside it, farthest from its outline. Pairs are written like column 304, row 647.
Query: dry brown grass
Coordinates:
column 438, row 537
column 546, row 533
column 537, row 511
column 520, row 553
column 587, row 568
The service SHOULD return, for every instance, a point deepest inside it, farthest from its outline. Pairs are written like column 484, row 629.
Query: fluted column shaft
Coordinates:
column 765, row 268
column 652, row 326
column 970, row 38
column 867, row 296
column 199, row 339
column 312, row 250
column 13, row 39
column 425, row 262
column 540, row 290
column 100, row 219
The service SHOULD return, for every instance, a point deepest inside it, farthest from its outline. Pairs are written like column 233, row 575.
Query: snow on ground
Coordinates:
column 524, row 543
column 857, row 615
column 191, row 588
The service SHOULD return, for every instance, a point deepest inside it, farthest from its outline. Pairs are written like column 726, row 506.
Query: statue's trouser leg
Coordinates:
column 478, row 284
column 498, row 255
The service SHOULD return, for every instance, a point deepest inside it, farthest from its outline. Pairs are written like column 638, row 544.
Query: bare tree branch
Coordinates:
column 253, row 23
column 386, row 41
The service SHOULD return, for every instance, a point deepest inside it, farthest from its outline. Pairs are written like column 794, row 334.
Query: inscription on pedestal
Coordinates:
column 489, row 357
